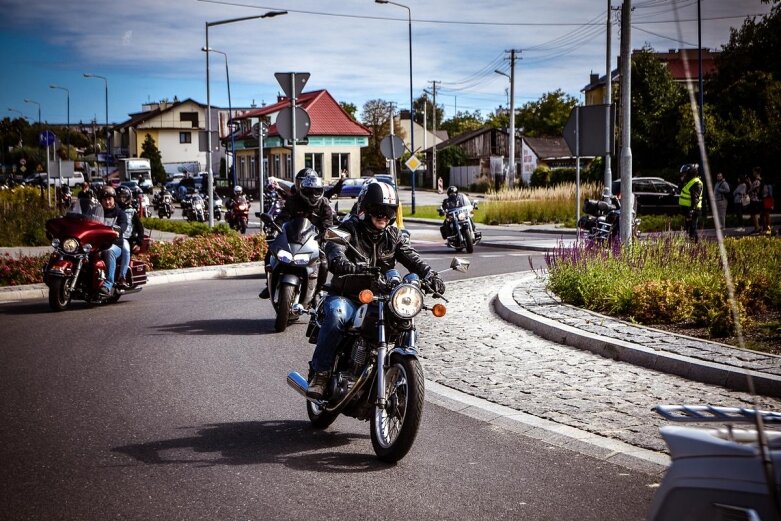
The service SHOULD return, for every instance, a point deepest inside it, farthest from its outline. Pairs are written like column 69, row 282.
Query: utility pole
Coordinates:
column 511, row 164
column 627, row 197
column 608, row 96
column 434, row 132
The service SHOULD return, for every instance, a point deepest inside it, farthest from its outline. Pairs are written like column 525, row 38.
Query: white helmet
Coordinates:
column 237, row 190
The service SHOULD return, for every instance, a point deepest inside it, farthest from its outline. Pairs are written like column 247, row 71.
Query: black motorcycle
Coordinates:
column 602, row 221
column 459, row 228
column 376, row 374
column 165, row 205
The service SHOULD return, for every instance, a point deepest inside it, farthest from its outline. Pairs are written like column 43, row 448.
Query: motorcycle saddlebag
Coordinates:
column 137, row 272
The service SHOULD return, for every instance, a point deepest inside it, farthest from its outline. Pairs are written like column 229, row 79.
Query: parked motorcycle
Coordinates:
column 237, row 216
column 76, row 269
column 602, row 221
column 727, row 473
column 459, row 228
column 196, row 210
column 376, row 374
column 165, row 205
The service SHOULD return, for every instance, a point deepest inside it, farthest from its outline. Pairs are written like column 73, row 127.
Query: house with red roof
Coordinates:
column 332, row 145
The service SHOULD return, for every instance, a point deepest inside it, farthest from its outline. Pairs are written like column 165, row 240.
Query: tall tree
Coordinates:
column 462, row 122
column 376, row 116
column 150, row 151
column 349, row 108
column 428, row 103
column 546, row 116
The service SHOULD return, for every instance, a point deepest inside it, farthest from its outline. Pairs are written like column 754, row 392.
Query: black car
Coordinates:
column 653, row 195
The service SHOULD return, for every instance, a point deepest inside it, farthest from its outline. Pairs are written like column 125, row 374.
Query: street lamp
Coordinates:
column 411, row 104
column 230, row 114
column 108, row 135
column 68, row 122
column 39, row 109
column 18, row 112
column 269, row 14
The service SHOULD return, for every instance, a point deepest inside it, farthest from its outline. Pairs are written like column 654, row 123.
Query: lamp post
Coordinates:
column 411, row 105
column 68, row 122
column 39, row 109
column 269, row 14
column 230, row 115
column 108, row 147
column 18, row 112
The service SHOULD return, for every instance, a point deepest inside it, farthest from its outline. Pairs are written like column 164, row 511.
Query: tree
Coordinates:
column 546, row 116
column 150, row 151
column 422, row 102
column 349, row 108
column 376, row 116
column 462, row 122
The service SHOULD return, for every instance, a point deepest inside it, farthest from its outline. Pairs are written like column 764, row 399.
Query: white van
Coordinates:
column 74, row 180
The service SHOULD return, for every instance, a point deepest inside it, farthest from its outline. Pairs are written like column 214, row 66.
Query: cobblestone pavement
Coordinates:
column 474, row 351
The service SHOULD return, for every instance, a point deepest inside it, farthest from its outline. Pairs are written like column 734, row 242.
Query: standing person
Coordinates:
column 754, row 193
column 690, row 200
column 741, row 200
column 722, row 199
column 768, row 202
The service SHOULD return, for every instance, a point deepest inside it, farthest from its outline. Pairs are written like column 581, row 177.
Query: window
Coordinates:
column 314, row 161
column 192, row 117
column 339, row 162
column 185, row 137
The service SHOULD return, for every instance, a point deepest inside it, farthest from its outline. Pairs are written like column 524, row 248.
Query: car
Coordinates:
column 38, row 179
column 653, row 195
column 352, row 187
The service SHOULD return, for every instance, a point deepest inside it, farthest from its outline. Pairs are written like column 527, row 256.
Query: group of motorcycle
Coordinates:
column 602, row 221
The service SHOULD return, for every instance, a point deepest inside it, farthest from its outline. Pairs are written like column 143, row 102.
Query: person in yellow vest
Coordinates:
column 690, row 200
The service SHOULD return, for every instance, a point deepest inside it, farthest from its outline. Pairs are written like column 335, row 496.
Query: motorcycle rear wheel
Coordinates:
column 59, row 297
column 283, row 307
column 394, row 428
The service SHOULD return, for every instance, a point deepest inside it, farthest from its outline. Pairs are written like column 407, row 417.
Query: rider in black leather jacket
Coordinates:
column 381, row 246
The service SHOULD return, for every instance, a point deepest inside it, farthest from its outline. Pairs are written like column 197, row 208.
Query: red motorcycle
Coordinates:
column 76, row 269
column 237, row 216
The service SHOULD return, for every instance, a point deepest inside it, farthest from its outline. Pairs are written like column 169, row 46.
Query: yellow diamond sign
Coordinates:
column 413, row 163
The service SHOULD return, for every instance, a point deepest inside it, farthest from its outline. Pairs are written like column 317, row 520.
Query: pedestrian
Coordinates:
column 755, row 195
column 768, row 202
column 722, row 199
column 741, row 200
column 690, row 200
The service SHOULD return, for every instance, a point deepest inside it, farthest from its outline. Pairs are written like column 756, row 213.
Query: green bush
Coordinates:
column 24, row 211
column 192, row 229
column 541, row 177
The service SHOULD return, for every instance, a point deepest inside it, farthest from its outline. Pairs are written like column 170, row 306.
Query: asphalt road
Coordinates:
column 172, row 404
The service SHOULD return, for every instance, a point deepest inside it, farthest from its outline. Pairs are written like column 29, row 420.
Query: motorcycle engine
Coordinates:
column 358, row 355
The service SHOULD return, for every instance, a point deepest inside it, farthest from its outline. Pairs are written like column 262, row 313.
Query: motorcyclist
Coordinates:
column 366, row 184
column 690, row 199
column 113, row 216
column 382, row 245
column 453, row 200
column 233, row 203
column 307, row 201
column 133, row 236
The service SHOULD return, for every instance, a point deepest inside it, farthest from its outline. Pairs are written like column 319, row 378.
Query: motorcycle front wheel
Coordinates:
column 394, row 427
column 286, row 294
column 469, row 239
column 243, row 226
column 59, row 296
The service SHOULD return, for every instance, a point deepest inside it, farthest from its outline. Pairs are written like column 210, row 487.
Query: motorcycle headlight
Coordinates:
column 302, row 259
column 462, row 216
column 70, row 245
column 285, row 256
column 406, row 301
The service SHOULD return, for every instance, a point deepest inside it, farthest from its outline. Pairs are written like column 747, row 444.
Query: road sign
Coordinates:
column 46, row 138
column 285, row 123
column 591, row 127
column 392, row 147
column 413, row 163
column 285, row 81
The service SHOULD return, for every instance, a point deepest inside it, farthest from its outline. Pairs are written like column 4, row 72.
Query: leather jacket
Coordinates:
column 381, row 249
column 321, row 215
column 459, row 201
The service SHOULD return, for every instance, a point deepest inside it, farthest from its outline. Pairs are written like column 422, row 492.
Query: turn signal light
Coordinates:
column 366, row 296
column 439, row 310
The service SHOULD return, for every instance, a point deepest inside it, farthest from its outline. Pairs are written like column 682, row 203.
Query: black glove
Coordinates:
column 435, row 282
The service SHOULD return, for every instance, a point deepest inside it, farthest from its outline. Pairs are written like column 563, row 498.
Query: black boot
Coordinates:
column 264, row 294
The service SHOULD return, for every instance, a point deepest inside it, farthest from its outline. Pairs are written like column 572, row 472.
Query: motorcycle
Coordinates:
column 376, row 374
column 196, row 210
column 719, row 473
column 76, row 269
column 165, row 205
column 218, row 209
column 272, row 205
column 294, row 266
column 602, row 221
column 237, row 216
column 459, row 229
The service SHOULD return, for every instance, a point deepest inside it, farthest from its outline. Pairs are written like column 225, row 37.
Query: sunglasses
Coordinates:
column 382, row 213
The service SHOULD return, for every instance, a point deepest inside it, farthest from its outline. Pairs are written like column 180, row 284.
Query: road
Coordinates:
column 172, row 404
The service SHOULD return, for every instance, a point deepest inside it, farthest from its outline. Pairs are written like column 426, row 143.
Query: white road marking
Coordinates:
column 490, row 255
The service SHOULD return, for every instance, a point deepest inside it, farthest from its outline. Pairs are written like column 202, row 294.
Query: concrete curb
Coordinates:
column 690, row 368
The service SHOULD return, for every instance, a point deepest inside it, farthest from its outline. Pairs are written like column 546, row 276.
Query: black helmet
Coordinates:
column 380, row 199
column 108, row 191
column 690, row 169
column 311, row 188
column 301, row 175
column 125, row 195
column 452, row 191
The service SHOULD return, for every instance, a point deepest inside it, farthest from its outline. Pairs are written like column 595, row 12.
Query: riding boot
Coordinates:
column 317, row 384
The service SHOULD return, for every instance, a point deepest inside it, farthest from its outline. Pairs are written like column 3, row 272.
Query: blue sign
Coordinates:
column 47, row 138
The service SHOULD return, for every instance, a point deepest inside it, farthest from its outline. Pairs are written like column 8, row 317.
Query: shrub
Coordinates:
column 541, row 177
column 24, row 211
column 659, row 301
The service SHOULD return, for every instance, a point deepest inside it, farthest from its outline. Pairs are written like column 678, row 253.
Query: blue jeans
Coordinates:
column 337, row 314
column 124, row 259
column 111, row 264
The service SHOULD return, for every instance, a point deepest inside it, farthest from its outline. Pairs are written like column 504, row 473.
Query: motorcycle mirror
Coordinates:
column 337, row 236
column 474, row 206
column 460, row 264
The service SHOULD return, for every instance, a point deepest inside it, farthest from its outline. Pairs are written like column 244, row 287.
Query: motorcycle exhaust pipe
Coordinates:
column 298, row 383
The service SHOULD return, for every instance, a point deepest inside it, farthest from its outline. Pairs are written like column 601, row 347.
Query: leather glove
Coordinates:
column 435, row 282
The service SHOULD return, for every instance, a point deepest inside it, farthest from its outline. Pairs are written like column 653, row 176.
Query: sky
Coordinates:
column 358, row 50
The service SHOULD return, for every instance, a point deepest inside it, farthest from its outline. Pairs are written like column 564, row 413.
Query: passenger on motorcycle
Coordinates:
column 307, row 201
column 113, row 216
column 382, row 245
column 133, row 236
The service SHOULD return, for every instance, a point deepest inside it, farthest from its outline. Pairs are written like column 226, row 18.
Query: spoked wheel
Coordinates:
column 286, row 295
column 394, row 427
column 318, row 417
column 59, row 296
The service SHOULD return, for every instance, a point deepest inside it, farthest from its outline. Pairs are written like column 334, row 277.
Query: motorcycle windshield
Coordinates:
column 299, row 230
column 85, row 208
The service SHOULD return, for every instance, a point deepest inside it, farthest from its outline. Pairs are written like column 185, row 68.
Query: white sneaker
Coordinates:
column 740, row 229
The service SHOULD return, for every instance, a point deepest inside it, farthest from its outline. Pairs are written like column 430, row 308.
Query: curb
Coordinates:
column 690, row 368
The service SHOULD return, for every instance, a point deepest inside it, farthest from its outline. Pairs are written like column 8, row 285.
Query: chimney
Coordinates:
column 594, row 78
